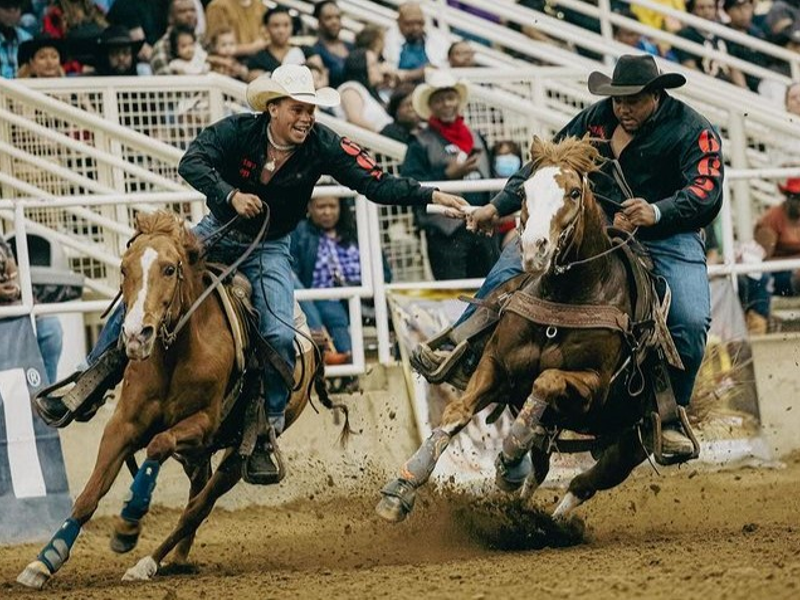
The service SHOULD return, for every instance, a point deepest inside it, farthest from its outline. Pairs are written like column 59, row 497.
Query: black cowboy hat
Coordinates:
column 632, row 74
column 118, row 36
column 29, row 48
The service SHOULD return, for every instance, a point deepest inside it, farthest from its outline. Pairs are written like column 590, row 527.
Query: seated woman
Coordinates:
column 361, row 103
column 325, row 252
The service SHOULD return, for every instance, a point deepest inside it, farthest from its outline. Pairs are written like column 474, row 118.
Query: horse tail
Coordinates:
column 324, row 397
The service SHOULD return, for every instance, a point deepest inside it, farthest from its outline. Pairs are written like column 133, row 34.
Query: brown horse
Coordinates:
column 557, row 375
column 172, row 397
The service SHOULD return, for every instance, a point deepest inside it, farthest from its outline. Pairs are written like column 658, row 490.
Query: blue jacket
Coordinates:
column 305, row 241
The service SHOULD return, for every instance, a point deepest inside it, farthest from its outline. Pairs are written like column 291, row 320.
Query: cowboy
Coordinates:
column 117, row 52
column 449, row 149
column 669, row 157
column 243, row 163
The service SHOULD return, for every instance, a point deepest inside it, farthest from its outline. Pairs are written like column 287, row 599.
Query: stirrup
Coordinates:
column 264, row 466
column 79, row 396
column 672, row 459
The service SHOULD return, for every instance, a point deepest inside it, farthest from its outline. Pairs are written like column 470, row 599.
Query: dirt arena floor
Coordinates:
column 686, row 534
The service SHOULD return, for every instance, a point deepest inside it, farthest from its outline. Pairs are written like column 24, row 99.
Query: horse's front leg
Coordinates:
column 550, row 388
column 225, row 477
column 116, row 444
column 190, row 434
column 399, row 494
column 612, row 468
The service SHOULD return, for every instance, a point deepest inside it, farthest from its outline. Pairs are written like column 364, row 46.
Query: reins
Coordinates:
column 168, row 337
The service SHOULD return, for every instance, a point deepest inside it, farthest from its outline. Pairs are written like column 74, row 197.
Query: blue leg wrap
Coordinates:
column 56, row 552
column 141, row 493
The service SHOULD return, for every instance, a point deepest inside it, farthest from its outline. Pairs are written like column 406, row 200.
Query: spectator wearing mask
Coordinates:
column 449, row 149
column 461, row 55
column 11, row 36
column 41, row 57
column 190, row 58
column 280, row 50
column 707, row 9
column 506, row 160
column 181, row 13
column 245, row 18
column 222, row 58
column 411, row 45
column 117, row 53
column 406, row 122
column 331, row 49
column 361, row 104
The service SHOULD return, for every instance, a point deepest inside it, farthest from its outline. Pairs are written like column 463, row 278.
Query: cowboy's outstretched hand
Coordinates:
column 483, row 220
column 456, row 203
column 639, row 212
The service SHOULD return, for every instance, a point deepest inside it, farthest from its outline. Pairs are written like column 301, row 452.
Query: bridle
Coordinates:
column 566, row 238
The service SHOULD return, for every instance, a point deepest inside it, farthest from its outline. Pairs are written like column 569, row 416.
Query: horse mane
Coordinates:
column 165, row 222
column 576, row 153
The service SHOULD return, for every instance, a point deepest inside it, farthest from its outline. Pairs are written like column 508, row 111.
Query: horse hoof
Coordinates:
column 35, row 575
column 124, row 542
column 391, row 509
column 143, row 571
column 510, row 477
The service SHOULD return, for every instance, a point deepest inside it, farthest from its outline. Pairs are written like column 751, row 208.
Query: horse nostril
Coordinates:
column 147, row 333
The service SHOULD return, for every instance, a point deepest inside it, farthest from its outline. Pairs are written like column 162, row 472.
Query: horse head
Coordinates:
column 556, row 196
column 155, row 285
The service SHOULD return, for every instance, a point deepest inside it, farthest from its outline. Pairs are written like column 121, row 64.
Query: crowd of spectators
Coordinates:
column 393, row 81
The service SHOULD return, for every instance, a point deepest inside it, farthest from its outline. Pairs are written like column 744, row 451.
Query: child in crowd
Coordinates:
column 190, row 58
column 222, row 57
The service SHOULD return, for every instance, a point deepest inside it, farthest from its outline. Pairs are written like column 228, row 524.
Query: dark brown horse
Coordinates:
column 172, row 397
column 559, row 344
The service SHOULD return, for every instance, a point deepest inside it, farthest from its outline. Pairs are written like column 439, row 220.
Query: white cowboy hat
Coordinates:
column 435, row 81
column 289, row 81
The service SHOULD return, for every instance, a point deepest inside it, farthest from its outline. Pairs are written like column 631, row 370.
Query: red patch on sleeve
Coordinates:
column 708, row 142
column 350, row 147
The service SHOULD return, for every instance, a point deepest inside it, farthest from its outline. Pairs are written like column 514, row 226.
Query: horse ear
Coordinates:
column 536, row 147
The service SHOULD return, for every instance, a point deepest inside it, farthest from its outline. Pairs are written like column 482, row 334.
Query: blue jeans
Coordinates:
column 269, row 270
column 680, row 259
column 50, row 338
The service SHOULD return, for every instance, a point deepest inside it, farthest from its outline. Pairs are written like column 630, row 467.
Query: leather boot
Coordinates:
column 79, row 396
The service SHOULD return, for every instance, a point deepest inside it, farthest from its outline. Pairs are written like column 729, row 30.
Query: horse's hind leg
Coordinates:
column 115, row 445
column 225, row 477
column 551, row 387
column 199, row 475
column 541, row 467
column 399, row 495
column 187, row 435
column 615, row 464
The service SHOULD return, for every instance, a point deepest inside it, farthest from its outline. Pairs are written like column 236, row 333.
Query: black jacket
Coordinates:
column 674, row 162
column 231, row 153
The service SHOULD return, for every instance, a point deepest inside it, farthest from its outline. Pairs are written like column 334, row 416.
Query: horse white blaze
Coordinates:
column 134, row 320
column 543, row 198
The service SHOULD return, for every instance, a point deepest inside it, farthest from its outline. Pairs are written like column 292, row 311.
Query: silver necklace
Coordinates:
column 271, row 163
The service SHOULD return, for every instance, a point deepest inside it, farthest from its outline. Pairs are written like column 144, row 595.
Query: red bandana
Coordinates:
column 456, row 132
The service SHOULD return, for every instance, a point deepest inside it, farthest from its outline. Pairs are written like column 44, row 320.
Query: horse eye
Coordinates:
column 575, row 194
column 169, row 270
